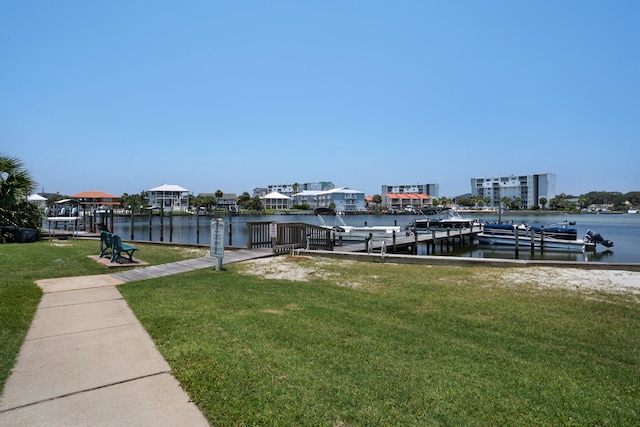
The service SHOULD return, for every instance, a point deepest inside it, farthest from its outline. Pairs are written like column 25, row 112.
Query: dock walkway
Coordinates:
column 178, row 267
column 444, row 239
column 87, row 360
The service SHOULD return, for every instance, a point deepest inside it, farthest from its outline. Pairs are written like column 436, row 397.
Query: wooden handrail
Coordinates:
column 288, row 236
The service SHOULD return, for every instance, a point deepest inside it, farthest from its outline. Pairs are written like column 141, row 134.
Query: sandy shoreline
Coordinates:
column 607, row 281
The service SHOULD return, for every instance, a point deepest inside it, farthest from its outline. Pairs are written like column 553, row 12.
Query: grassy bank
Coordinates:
column 371, row 344
column 22, row 264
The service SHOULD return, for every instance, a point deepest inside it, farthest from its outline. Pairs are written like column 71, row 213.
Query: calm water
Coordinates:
column 622, row 229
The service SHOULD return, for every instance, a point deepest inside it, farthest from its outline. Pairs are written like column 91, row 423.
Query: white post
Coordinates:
column 217, row 241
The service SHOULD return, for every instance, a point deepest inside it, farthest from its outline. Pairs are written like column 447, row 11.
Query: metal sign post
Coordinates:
column 217, row 241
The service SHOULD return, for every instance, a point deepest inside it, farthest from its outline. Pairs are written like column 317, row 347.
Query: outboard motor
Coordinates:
column 597, row 238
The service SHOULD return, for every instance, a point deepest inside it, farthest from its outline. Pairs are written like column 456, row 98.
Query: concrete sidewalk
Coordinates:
column 87, row 360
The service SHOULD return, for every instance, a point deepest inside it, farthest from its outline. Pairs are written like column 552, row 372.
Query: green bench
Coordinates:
column 113, row 242
column 106, row 243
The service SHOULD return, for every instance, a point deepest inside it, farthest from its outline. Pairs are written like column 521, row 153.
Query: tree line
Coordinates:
column 614, row 200
column 139, row 203
column 206, row 202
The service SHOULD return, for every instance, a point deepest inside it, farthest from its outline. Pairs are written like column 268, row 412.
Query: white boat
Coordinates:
column 633, row 211
column 525, row 236
column 560, row 231
column 438, row 218
column 351, row 232
column 578, row 245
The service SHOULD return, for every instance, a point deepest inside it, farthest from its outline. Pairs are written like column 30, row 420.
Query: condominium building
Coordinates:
column 342, row 199
column 528, row 188
column 291, row 189
column 409, row 196
column 432, row 190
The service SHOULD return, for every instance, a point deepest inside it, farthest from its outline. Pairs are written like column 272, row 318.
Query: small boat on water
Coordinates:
column 560, row 231
column 438, row 218
column 352, row 232
column 553, row 237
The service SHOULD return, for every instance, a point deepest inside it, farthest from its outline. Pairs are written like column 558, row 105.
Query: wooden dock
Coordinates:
column 444, row 240
column 285, row 237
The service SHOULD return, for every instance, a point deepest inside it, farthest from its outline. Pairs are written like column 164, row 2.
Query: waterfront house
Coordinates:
column 307, row 197
column 90, row 201
column 37, row 200
column 228, row 201
column 343, row 199
column 169, row 197
column 275, row 200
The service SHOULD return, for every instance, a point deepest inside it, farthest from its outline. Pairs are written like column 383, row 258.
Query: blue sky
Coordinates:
column 122, row 96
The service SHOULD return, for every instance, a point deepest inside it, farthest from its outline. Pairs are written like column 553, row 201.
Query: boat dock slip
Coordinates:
column 285, row 237
column 445, row 240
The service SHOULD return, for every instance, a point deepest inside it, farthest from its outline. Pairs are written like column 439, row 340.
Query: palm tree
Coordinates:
column 543, row 202
column 516, row 203
column 244, row 200
column 16, row 185
column 256, row 204
column 208, row 202
column 135, row 202
column 219, row 195
column 506, row 202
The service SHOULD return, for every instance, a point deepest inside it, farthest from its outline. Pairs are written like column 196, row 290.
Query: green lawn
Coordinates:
column 22, row 264
column 384, row 344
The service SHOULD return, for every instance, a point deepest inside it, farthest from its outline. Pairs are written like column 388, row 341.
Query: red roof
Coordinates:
column 93, row 195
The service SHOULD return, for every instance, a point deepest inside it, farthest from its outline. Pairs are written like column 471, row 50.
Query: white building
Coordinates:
column 38, row 200
column 260, row 192
column 528, row 188
column 307, row 197
column 169, row 197
column 409, row 196
column 341, row 199
column 275, row 200
column 291, row 189
column 432, row 190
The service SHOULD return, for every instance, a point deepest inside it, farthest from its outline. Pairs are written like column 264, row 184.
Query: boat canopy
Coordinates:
column 324, row 211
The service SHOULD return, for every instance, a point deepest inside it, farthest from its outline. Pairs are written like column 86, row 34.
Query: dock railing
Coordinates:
column 286, row 237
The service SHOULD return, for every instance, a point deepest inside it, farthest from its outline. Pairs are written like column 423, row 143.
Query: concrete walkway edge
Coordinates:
column 87, row 360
